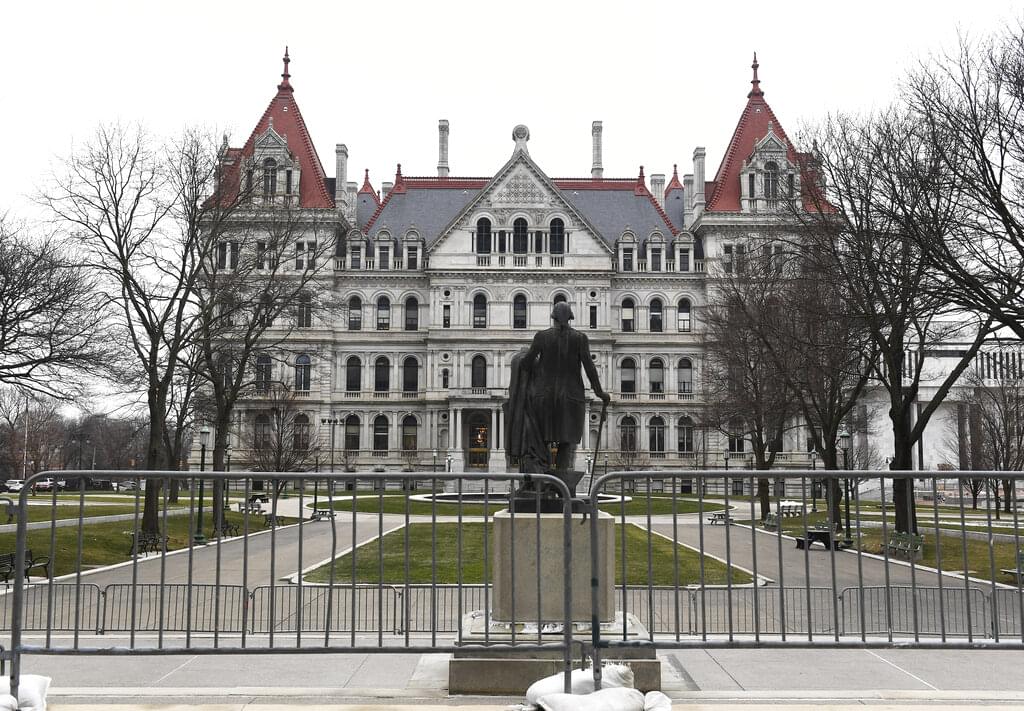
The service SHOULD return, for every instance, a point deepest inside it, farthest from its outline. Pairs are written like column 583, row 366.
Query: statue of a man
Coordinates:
column 549, row 377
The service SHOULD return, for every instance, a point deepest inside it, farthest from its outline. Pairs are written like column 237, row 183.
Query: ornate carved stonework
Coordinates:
column 520, row 189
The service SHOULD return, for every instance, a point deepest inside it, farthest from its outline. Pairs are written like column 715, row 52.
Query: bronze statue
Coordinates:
column 547, row 403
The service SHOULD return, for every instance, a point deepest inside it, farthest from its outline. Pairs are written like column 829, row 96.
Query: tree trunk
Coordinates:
column 154, row 461
column 903, row 487
column 764, row 498
column 1008, row 495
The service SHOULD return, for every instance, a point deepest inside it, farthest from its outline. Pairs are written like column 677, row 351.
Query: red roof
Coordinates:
column 674, row 184
column 724, row 191
column 284, row 115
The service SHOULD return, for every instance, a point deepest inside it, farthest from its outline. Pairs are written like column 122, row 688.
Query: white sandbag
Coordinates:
column 612, row 676
column 657, row 701
column 618, row 699
column 31, row 693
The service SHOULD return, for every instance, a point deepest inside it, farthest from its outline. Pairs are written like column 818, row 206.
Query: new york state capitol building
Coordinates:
column 445, row 278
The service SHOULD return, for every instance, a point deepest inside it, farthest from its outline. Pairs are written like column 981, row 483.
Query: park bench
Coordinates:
column 771, row 522
column 819, row 535
column 1020, row 566
column 228, row 529
column 719, row 517
column 250, row 508
column 905, row 545
column 146, row 543
column 321, row 514
column 7, row 565
column 270, row 519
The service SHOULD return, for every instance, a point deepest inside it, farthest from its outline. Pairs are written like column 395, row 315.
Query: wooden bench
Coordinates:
column 7, row 565
column 270, row 519
column 771, row 522
column 906, row 545
column 1012, row 572
column 250, row 508
column 321, row 514
column 146, row 543
column 790, row 510
column 228, row 529
column 719, row 517
column 818, row 535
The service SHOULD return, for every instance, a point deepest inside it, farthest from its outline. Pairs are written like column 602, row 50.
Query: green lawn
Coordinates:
column 447, row 543
column 395, row 503
column 70, row 510
column 108, row 543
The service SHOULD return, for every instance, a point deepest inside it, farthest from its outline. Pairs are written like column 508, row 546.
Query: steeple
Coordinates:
column 285, row 85
column 674, row 183
column 755, row 82
column 367, row 188
column 641, row 183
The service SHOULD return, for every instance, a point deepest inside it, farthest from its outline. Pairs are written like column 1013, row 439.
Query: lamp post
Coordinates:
column 227, row 468
column 844, row 444
column 332, row 421
column 433, row 466
column 449, row 460
column 814, row 482
column 204, row 438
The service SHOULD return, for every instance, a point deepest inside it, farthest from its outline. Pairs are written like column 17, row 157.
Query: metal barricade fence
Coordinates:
column 371, row 570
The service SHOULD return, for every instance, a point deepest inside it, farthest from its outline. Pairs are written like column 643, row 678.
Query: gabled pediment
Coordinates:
column 271, row 140
column 520, row 188
column 770, row 144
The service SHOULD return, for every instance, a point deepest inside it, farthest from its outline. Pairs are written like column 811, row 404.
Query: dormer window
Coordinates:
column 771, row 180
column 627, row 259
column 269, row 177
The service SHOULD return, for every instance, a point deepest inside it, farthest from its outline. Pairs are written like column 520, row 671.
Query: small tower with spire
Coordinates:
column 755, row 83
column 285, row 85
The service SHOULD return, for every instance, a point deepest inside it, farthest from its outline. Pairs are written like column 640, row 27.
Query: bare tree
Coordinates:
column 280, row 440
column 873, row 181
column 970, row 106
column 125, row 198
column 51, row 326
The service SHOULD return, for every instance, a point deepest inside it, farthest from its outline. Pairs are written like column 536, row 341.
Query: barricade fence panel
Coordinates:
column 58, row 607
column 196, row 608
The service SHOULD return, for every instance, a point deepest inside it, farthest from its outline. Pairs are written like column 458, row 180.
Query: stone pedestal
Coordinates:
column 498, row 462
column 516, row 576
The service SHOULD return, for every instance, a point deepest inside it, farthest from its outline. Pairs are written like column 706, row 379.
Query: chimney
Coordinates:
column 385, row 188
column 442, row 148
column 341, row 171
column 698, row 181
column 687, row 200
column 658, row 188
column 596, row 170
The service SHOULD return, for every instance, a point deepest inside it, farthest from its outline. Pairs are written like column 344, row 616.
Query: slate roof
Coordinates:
column 613, row 206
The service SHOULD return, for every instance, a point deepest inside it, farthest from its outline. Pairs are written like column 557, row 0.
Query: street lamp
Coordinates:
column 433, row 467
column 204, row 439
column 227, row 484
column 844, row 444
column 814, row 482
column 449, row 458
column 332, row 421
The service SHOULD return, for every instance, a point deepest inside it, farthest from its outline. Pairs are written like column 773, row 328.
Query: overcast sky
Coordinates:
column 663, row 77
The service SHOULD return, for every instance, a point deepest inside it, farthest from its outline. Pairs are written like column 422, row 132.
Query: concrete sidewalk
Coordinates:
column 693, row 678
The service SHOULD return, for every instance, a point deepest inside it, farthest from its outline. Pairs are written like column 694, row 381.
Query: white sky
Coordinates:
column 664, row 77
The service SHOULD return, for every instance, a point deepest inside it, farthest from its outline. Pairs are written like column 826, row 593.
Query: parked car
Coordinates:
column 14, row 485
column 48, row 484
column 126, row 485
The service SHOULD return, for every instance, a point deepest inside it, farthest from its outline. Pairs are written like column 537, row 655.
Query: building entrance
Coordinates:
column 479, row 439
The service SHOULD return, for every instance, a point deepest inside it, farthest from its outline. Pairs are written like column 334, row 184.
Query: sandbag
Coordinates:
column 612, row 676
column 31, row 693
column 657, row 701
column 617, row 699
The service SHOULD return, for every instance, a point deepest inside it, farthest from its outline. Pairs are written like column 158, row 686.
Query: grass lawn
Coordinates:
column 107, row 543
column 420, row 545
column 70, row 510
column 395, row 502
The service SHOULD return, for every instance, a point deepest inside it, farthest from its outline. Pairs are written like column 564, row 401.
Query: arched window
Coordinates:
column 352, row 433
column 262, row 433
column 771, row 180
column 735, row 435
column 656, row 435
column 302, row 373
column 410, row 375
column 657, row 373
column 445, row 379
column 627, row 434
column 382, row 375
column 684, row 435
column 685, row 373
column 300, row 438
column 519, row 311
column 483, row 236
column 353, row 374
column 355, row 313
column 380, row 433
column 520, row 237
column 383, row 313
column 479, row 311
column 656, row 309
column 269, row 177
column 478, row 377
column 557, row 239
column 264, row 371
column 409, row 434
column 412, row 314
column 628, row 309
column 628, row 375
column 683, row 317
column 304, row 316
